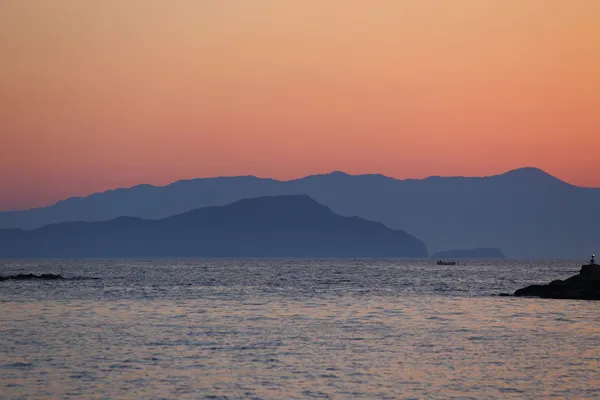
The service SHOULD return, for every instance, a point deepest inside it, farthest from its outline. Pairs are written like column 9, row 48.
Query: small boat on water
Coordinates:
column 446, row 262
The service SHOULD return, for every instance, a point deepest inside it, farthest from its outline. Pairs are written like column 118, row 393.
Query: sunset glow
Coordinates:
column 96, row 95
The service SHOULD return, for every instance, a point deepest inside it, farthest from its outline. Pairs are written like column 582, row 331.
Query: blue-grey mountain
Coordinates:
column 527, row 213
column 279, row 226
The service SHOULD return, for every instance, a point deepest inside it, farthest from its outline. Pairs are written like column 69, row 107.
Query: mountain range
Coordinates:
column 278, row 226
column 525, row 212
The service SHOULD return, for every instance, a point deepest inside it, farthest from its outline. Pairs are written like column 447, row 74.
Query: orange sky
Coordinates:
column 108, row 93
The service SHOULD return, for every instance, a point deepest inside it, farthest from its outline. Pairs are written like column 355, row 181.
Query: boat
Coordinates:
column 445, row 262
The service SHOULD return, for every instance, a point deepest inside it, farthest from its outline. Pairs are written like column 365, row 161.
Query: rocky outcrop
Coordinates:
column 584, row 286
column 26, row 277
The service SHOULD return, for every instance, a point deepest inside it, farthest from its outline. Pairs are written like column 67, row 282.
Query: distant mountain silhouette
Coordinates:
column 279, row 226
column 486, row 253
column 526, row 212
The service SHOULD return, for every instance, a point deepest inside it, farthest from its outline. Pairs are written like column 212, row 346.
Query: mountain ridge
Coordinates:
column 526, row 212
column 273, row 226
column 516, row 171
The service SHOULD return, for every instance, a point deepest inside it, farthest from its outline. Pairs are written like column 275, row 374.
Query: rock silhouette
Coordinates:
column 27, row 277
column 583, row 286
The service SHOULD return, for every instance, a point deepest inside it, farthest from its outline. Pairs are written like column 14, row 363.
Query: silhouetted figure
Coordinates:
column 592, row 260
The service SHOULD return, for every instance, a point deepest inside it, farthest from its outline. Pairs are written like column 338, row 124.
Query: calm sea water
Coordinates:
column 284, row 329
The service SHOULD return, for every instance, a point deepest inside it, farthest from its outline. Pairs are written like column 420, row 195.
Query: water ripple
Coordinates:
column 190, row 329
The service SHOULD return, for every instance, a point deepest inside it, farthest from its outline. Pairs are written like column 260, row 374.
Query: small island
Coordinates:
column 481, row 253
column 583, row 286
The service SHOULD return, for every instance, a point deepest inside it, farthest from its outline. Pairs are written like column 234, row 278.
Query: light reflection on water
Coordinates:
column 293, row 329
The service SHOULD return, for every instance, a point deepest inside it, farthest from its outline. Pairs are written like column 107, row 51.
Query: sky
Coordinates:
column 100, row 94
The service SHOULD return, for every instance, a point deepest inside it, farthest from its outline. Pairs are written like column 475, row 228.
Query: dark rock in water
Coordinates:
column 26, row 277
column 584, row 286
column 590, row 271
column 504, row 295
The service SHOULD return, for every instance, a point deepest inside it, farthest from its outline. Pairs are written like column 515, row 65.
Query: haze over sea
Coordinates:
column 308, row 328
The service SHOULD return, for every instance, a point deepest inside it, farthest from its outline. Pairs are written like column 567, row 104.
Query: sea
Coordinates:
column 294, row 329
